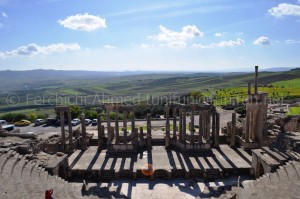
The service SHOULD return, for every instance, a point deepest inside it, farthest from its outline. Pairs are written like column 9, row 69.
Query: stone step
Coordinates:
column 279, row 158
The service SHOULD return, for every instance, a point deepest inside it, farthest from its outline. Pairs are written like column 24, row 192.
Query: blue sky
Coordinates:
column 119, row 35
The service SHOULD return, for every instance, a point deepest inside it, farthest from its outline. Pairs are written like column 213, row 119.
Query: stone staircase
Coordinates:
column 284, row 183
column 22, row 178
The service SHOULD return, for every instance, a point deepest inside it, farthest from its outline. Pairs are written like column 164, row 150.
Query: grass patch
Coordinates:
column 293, row 83
column 294, row 111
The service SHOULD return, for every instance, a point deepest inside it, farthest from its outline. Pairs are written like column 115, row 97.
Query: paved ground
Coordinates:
column 224, row 158
column 165, row 189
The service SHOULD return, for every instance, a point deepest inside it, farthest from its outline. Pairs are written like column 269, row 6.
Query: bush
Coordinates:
column 13, row 117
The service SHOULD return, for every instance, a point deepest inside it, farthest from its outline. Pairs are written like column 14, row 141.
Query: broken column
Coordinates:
column 233, row 129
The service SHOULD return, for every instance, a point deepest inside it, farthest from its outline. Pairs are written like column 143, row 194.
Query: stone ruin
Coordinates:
column 199, row 151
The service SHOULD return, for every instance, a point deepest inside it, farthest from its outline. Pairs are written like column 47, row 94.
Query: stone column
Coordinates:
column 208, row 126
column 174, row 124
column 233, row 129
column 255, row 80
column 251, row 129
column 70, row 130
column 149, row 137
column 125, row 127
column 132, row 122
column 99, row 132
column 180, row 125
column 184, row 126
column 141, row 133
column 204, row 124
column 247, row 126
column 135, row 136
column 117, row 127
column 133, row 130
column 83, row 130
column 254, row 125
column 110, row 130
column 200, row 126
column 192, row 128
column 62, row 126
column 102, row 132
column 107, row 119
column 217, row 130
column 167, row 126
column 213, row 127
column 249, row 88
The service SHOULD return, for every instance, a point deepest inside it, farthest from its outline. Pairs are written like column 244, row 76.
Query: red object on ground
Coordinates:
column 48, row 194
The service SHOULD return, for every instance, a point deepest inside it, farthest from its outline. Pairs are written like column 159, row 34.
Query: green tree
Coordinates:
column 32, row 116
column 91, row 114
column 75, row 111
column 241, row 110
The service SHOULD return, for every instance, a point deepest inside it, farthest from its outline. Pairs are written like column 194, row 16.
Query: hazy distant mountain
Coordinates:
column 279, row 69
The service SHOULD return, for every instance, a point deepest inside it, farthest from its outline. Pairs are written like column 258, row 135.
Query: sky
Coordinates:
column 151, row 35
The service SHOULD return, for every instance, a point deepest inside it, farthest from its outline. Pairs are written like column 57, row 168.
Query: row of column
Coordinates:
column 114, row 131
column 204, row 126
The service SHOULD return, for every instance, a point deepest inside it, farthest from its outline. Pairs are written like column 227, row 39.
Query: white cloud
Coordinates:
column 33, row 49
column 109, row 47
column 188, row 32
column 229, row 43
column 83, row 22
column 219, row 34
column 4, row 14
column 174, row 39
column 285, row 9
column 292, row 41
column 263, row 40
